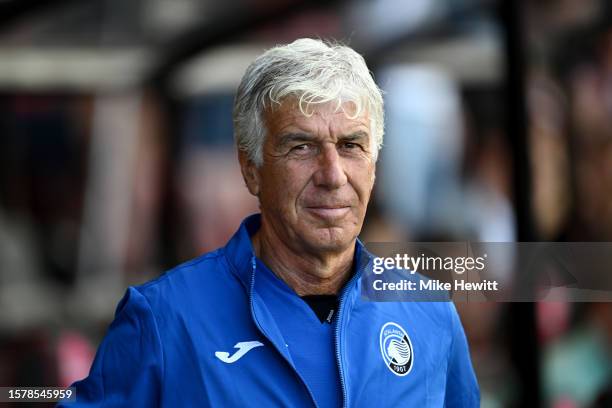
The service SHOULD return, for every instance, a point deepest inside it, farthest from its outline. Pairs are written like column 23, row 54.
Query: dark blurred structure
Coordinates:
column 117, row 160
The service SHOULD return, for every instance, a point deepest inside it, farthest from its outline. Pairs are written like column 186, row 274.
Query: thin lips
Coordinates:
column 327, row 207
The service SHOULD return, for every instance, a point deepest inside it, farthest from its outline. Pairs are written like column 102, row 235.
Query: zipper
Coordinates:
column 339, row 325
column 252, row 288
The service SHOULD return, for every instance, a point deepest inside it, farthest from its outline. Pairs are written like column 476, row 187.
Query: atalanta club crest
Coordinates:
column 396, row 349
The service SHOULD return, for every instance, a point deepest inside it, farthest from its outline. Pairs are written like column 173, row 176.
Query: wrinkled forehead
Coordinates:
column 297, row 111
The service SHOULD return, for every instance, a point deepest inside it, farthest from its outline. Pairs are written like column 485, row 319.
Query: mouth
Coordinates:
column 329, row 212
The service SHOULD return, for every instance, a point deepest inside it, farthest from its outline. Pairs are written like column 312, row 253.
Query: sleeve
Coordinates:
column 461, row 385
column 127, row 369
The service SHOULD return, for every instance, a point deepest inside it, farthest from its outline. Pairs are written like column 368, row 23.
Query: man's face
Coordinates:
column 316, row 178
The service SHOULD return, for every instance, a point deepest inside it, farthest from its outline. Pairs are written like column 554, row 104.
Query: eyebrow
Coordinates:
column 360, row 134
column 305, row 137
column 295, row 137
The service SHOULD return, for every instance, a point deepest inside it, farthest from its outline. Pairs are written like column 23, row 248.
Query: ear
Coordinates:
column 250, row 173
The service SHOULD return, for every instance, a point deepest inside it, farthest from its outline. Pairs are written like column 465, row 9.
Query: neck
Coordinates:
column 306, row 274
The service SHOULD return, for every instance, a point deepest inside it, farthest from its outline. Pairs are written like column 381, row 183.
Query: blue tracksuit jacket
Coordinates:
column 201, row 336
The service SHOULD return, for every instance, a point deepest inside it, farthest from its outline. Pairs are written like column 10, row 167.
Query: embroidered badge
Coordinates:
column 396, row 349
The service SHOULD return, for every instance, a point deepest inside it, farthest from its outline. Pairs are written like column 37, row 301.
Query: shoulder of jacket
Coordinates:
column 202, row 267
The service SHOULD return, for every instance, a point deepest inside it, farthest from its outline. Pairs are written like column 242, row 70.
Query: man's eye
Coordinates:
column 305, row 147
column 350, row 145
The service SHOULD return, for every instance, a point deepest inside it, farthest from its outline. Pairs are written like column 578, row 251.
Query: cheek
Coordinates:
column 363, row 181
column 285, row 183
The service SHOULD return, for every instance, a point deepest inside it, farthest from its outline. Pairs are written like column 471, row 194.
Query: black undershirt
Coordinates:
column 324, row 306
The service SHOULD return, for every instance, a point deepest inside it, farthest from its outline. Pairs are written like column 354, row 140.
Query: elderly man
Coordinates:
column 275, row 317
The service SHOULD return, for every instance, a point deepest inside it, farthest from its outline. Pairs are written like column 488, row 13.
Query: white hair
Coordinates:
column 313, row 72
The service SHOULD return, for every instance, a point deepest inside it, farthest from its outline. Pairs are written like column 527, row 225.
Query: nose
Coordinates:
column 330, row 173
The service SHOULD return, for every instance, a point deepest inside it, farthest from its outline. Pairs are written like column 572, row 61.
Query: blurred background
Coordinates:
column 117, row 163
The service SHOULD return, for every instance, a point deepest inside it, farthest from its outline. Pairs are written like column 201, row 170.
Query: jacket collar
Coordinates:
column 240, row 254
column 239, row 250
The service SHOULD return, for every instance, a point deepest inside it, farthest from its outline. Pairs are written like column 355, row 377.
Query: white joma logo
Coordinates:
column 243, row 348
